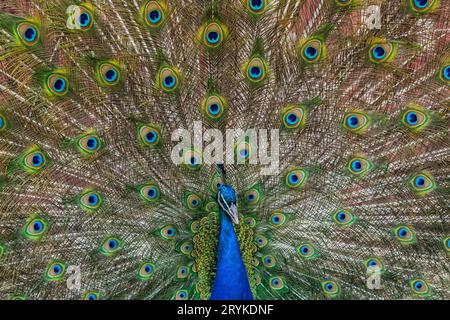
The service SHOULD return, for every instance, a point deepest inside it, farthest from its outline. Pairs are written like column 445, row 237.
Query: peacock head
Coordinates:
column 226, row 197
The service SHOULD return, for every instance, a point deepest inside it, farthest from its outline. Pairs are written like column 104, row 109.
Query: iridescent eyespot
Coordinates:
column 331, row 288
column 213, row 34
column 252, row 196
column 382, row 51
column 420, row 287
column 276, row 283
column 257, row 7
column 57, row 84
column 343, row 217
column 293, row 117
column 415, row 119
column 91, row 295
column 359, row 166
column 55, row 271
column 35, row 227
column 343, row 3
column 296, row 178
column 255, row 261
column 89, row 143
column 108, row 73
column 83, row 17
column 311, row 51
column 195, row 226
column 149, row 135
column 405, row 234
column 214, row 107
column 269, row 261
column 3, row 122
column 192, row 201
column 28, row 33
column 90, row 200
column 261, row 241
column 150, row 192
column 192, row 159
column 250, row 221
column 418, row 7
column 422, row 183
column 374, row 265
column 306, row 251
column 33, row 160
column 186, row 247
column 183, row 272
column 445, row 242
column 153, row 13
column 255, row 70
column 277, row 219
column 145, row 271
column 167, row 232
column 216, row 183
column 181, row 295
column 168, row 78
column 110, row 246
column 356, row 121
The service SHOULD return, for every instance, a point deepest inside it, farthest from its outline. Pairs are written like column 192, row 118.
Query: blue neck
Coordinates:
column 231, row 281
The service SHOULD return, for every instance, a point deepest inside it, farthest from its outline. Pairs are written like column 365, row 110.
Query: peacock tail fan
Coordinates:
column 109, row 111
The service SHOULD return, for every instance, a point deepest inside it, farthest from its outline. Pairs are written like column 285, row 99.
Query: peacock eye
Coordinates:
column 422, row 183
column 343, row 3
column 150, row 193
column 90, row 201
column 110, row 246
column 91, row 295
column 422, row 6
column 57, row 84
column 195, row 226
column 167, row 232
column 359, row 166
column 356, row 122
column 293, row 117
column 2, row 122
column 186, row 247
column 374, row 265
column 213, row 107
column 257, row 7
column 277, row 219
column 311, row 51
column 84, row 18
column 256, row 70
column 145, row 271
column 415, row 120
column 153, row 14
column 384, row 51
column 28, row 33
column 444, row 73
column 420, row 287
column 149, row 136
column 182, row 272
column 168, row 79
column 181, row 295
column 192, row 201
column 250, row 221
column 109, row 74
column 331, row 288
column 252, row 196
column 192, row 159
column 306, row 251
column 343, row 217
column 296, row 178
column 89, row 143
column 216, row 183
column 35, row 228
column 213, row 35
column 405, row 234
column 34, row 160
column 244, row 152
column 276, row 283
column 269, row 261
column 261, row 241
column 55, row 271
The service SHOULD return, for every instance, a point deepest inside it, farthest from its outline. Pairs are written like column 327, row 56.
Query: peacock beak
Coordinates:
column 234, row 213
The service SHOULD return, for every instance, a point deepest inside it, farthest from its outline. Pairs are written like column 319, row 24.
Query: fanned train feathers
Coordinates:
column 91, row 92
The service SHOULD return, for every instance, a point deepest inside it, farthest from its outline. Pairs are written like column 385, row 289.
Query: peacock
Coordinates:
column 351, row 96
